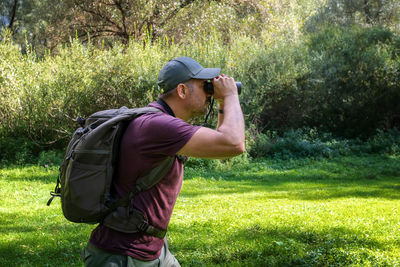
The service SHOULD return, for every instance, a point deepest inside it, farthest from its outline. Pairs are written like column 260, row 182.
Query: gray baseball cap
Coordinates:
column 182, row 69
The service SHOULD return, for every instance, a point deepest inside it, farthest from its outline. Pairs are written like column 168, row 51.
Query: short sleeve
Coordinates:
column 162, row 134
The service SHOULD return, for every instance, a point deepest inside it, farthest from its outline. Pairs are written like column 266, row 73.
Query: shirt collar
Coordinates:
column 166, row 107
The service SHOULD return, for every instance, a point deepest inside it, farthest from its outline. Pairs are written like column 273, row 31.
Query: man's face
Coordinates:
column 198, row 100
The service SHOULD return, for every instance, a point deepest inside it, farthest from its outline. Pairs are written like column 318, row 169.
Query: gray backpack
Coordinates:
column 89, row 166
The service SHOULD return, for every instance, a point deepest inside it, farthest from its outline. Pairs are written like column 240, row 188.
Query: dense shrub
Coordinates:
column 292, row 144
column 342, row 80
column 383, row 142
column 50, row 158
column 42, row 97
column 18, row 150
column 274, row 97
column 354, row 81
column 309, row 143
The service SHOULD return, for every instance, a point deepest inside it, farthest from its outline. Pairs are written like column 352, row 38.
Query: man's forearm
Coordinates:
column 231, row 122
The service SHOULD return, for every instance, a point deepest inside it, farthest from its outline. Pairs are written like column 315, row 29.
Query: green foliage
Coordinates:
column 32, row 20
column 309, row 143
column 384, row 13
column 21, row 151
column 43, row 97
column 340, row 80
column 214, row 164
column 17, row 151
column 50, row 158
column 182, row 20
column 381, row 143
column 272, row 75
column 292, row 144
column 207, row 164
column 356, row 88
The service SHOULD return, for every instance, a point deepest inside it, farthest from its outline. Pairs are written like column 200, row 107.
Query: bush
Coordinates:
column 201, row 163
column 222, row 164
column 50, row 158
column 271, row 95
column 42, row 97
column 309, row 143
column 292, row 144
column 22, row 151
column 341, row 80
column 354, row 81
column 17, row 151
column 387, row 142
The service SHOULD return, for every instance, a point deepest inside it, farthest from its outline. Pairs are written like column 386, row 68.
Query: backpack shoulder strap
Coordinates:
column 155, row 175
column 146, row 182
column 136, row 219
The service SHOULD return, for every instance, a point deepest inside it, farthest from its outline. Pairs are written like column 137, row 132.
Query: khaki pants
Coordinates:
column 94, row 257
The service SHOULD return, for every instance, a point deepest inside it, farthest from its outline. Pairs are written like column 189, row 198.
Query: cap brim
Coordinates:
column 207, row 73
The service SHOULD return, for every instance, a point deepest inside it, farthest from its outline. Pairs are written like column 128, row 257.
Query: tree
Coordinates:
column 118, row 20
column 385, row 13
column 47, row 23
column 8, row 12
column 30, row 20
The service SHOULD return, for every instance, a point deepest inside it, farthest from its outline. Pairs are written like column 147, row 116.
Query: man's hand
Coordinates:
column 224, row 86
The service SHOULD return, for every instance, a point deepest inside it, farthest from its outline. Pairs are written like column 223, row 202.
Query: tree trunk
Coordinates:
column 367, row 10
column 13, row 14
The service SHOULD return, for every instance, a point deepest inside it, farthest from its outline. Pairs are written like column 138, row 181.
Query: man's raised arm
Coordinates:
column 228, row 139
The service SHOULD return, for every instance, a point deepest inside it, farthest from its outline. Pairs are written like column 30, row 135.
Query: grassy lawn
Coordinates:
column 337, row 212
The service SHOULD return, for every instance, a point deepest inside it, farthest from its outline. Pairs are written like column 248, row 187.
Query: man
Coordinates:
column 151, row 138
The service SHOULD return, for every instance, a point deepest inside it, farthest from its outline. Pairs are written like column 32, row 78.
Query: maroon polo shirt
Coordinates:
column 147, row 141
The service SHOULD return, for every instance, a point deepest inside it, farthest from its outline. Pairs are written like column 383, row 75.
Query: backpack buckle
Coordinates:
column 143, row 226
column 81, row 121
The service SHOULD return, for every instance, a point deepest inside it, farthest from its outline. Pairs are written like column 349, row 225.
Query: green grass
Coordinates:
column 334, row 212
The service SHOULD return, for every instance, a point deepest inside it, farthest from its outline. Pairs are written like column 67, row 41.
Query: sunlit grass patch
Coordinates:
column 32, row 234
column 304, row 212
column 339, row 212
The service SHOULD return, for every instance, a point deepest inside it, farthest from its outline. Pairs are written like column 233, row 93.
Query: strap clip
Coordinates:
column 143, row 226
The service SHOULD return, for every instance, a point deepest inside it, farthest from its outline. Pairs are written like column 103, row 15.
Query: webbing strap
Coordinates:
column 151, row 230
column 156, row 232
column 148, row 181
column 56, row 192
column 143, row 183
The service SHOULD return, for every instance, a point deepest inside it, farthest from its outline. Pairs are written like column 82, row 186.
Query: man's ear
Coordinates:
column 181, row 91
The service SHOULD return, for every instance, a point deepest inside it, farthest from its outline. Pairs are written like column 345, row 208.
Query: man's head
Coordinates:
column 181, row 81
column 181, row 70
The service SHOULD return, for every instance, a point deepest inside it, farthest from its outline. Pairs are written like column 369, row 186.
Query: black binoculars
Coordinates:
column 209, row 87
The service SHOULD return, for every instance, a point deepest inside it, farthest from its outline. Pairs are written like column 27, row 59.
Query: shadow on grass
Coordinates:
column 343, row 168
column 305, row 187
column 283, row 246
column 29, row 174
column 368, row 177
column 371, row 190
column 52, row 243
column 45, row 243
